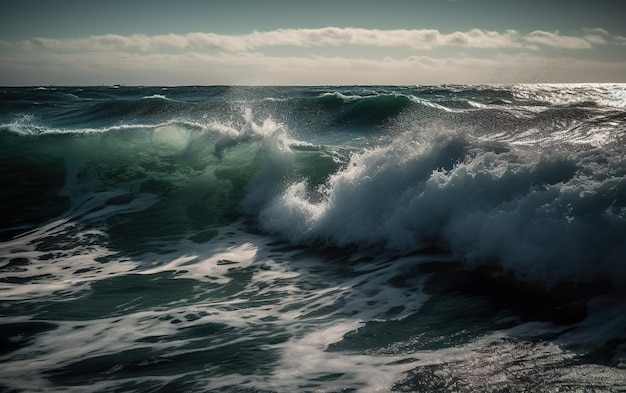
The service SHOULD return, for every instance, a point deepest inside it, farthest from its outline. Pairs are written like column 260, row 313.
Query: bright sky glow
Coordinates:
column 324, row 42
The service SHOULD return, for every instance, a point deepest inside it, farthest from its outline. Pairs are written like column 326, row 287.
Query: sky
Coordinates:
column 314, row 42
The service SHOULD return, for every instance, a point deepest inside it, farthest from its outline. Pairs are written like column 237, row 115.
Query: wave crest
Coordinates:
column 545, row 218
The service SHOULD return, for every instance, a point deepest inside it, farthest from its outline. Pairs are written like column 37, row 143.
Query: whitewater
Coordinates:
column 466, row 238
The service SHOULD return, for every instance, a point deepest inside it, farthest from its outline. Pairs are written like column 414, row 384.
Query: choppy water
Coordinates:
column 313, row 239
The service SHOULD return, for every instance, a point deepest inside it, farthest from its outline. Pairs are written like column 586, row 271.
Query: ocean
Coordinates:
column 446, row 238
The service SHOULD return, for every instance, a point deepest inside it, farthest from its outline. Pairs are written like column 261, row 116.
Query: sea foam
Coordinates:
column 544, row 217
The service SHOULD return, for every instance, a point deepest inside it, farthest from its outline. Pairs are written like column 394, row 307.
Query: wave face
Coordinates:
column 106, row 188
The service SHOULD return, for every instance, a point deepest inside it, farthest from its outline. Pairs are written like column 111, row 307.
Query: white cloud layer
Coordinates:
column 565, row 42
column 419, row 39
column 373, row 56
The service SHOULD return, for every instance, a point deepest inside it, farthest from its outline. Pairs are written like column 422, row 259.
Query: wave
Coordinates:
column 244, row 225
column 364, row 111
column 128, row 111
column 546, row 218
column 356, row 109
column 197, row 176
column 537, row 191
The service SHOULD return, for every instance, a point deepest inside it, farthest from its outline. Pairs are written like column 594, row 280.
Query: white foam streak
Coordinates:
column 308, row 358
column 434, row 105
column 285, row 292
column 28, row 125
column 212, row 268
column 157, row 96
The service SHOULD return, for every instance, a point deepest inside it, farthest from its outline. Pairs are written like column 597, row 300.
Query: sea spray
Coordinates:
column 530, row 212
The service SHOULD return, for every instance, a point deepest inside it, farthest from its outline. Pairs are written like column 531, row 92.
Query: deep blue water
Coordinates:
column 313, row 239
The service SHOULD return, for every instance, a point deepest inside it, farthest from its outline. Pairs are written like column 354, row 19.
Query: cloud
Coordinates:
column 208, row 58
column 417, row 39
column 595, row 39
column 605, row 35
column 597, row 30
column 328, row 36
column 558, row 41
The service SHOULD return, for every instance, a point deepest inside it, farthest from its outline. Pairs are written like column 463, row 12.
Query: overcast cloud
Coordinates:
column 422, row 56
column 422, row 39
